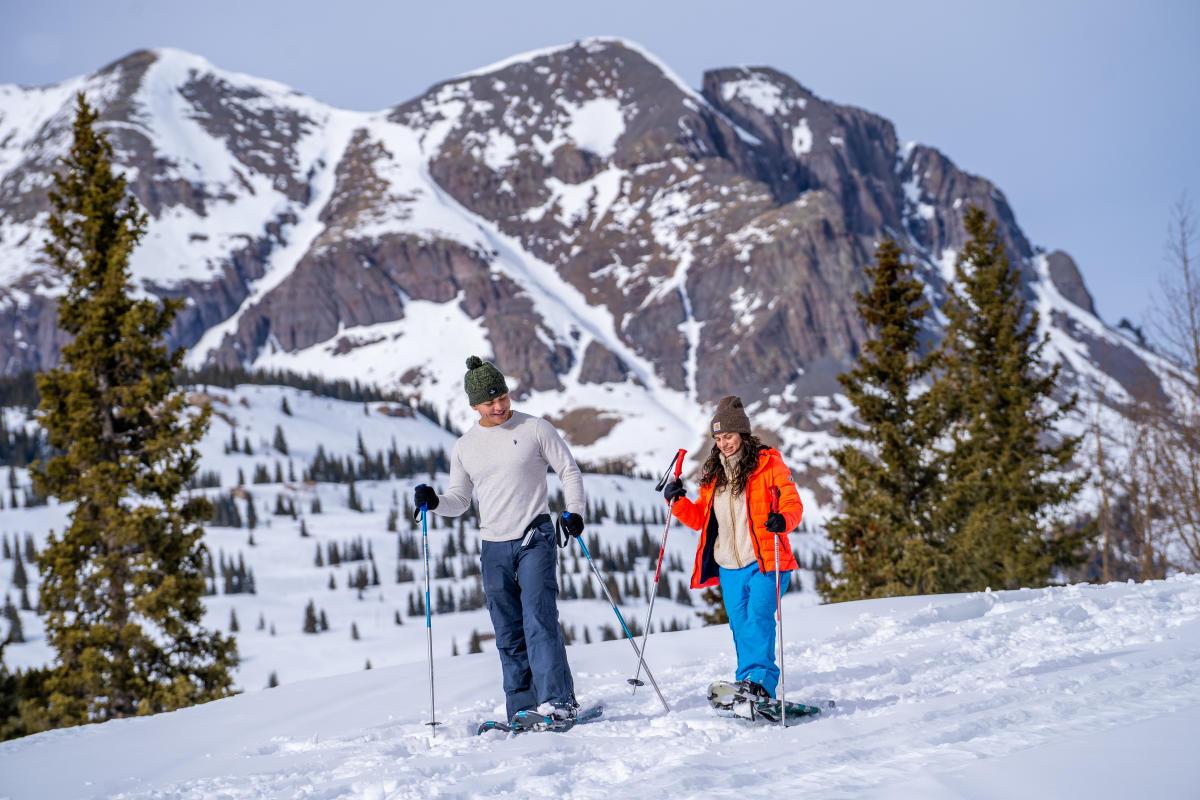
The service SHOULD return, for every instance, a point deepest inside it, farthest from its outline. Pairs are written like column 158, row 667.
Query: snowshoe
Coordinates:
column 555, row 720
column 748, row 700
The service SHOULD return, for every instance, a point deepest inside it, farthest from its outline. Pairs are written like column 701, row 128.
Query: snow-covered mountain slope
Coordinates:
column 1069, row 692
column 628, row 248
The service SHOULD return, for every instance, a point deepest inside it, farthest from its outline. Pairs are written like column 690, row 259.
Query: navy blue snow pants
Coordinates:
column 522, row 596
column 750, row 605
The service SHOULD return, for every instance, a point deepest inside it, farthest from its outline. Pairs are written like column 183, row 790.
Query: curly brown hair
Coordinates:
column 714, row 472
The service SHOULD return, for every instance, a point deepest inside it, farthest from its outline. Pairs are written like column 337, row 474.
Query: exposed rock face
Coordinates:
column 595, row 221
column 1066, row 278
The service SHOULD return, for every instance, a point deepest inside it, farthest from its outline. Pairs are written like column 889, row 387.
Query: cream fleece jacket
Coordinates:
column 734, row 547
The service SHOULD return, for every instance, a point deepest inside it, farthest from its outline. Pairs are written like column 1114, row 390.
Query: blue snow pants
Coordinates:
column 521, row 586
column 750, row 605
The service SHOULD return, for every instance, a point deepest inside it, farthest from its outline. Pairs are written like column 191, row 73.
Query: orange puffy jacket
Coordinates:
column 771, row 471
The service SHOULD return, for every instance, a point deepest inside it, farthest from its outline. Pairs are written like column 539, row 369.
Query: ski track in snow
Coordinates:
column 924, row 686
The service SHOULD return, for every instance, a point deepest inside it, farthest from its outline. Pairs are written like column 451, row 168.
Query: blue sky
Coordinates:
column 1084, row 114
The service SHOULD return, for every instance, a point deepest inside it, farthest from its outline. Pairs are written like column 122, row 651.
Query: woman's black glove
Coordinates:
column 572, row 523
column 673, row 491
column 425, row 496
column 776, row 523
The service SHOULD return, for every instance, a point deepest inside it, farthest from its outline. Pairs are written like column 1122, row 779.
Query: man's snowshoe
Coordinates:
column 556, row 720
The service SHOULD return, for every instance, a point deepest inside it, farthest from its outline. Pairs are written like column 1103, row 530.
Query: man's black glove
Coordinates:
column 776, row 523
column 425, row 496
column 572, row 523
column 673, row 491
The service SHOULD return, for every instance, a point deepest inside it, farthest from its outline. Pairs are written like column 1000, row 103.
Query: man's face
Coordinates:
column 494, row 412
column 728, row 443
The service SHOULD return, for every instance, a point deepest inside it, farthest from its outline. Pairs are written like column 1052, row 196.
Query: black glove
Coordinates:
column 673, row 491
column 425, row 496
column 776, row 523
column 572, row 523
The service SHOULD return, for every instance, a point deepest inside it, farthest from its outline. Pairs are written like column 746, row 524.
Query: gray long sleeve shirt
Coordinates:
column 505, row 466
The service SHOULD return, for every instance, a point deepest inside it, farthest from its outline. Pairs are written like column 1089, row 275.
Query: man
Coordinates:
column 503, row 459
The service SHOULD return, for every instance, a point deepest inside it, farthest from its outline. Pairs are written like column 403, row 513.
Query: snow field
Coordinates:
column 936, row 697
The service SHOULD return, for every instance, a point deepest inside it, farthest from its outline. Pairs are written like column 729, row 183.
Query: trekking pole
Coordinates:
column 433, row 723
column 662, row 549
column 779, row 614
column 620, row 619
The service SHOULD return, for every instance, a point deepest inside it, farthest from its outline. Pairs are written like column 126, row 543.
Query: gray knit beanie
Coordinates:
column 730, row 417
column 483, row 382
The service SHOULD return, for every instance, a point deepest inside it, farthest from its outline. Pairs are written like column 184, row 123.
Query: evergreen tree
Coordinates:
column 310, row 618
column 1003, row 464
column 885, row 474
column 16, row 633
column 714, row 606
column 280, row 443
column 122, row 587
column 20, row 578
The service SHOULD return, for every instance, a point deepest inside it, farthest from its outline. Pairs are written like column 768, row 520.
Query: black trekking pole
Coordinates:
column 433, row 723
column 617, row 611
column 662, row 549
column 779, row 614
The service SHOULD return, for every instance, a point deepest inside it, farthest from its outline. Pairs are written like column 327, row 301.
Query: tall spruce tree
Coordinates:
column 885, row 473
column 1005, row 467
column 122, row 587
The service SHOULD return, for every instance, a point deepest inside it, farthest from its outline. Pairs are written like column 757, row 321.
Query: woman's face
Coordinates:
column 728, row 443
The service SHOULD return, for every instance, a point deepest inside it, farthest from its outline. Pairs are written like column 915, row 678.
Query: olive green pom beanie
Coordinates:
column 483, row 382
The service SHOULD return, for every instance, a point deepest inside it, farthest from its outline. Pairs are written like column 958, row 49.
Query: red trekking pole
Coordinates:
column 677, row 464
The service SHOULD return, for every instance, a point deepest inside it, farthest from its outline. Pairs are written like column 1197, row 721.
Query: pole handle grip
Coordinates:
column 679, row 462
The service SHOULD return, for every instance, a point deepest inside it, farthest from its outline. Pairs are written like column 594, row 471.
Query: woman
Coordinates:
column 747, row 497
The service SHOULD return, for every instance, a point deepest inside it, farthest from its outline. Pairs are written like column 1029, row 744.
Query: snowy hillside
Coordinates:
column 289, row 569
column 1071, row 692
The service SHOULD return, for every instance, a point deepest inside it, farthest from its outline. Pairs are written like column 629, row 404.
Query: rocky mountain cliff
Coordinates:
column 627, row 248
